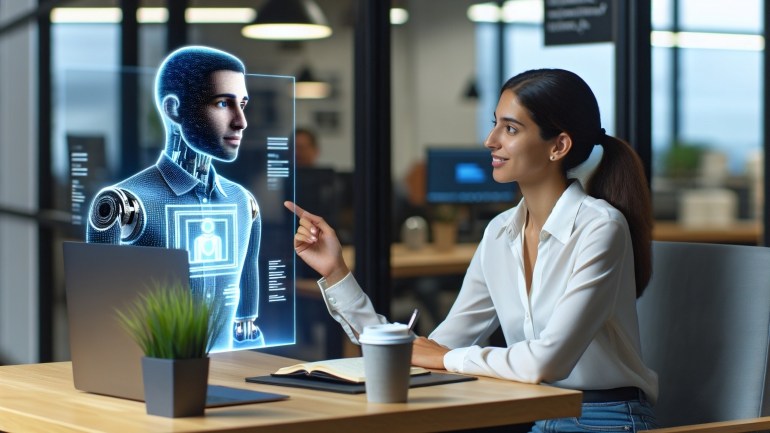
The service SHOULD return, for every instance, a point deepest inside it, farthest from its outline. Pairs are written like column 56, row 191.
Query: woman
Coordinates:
column 559, row 273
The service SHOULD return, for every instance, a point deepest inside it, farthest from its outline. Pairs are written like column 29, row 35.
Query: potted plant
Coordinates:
column 444, row 226
column 175, row 329
column 682, row 160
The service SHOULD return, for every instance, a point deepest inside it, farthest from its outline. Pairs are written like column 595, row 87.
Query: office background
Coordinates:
column 690, row 97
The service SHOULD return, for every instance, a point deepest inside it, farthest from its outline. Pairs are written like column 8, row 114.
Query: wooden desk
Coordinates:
column 41, row 398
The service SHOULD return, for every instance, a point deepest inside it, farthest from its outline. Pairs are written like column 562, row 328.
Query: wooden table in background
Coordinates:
column 429, row 261
column 740, row 232
column 426, row 261
column 41, row 398
column 405, row 263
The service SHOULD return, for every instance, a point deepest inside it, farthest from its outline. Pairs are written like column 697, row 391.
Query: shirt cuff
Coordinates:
column 454, row 360
column 341, row 294
column 324, row 285
column 333, row 305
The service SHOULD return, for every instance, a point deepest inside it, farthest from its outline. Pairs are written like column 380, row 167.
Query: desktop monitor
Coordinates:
column 316, row 189
column 464, row 175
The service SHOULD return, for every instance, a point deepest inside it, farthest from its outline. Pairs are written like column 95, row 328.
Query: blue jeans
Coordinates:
column 619, row 416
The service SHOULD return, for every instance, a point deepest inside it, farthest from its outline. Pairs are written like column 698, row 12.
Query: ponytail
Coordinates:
column 619, row 180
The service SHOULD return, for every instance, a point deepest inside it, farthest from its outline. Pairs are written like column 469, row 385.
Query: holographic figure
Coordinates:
column 181, row 202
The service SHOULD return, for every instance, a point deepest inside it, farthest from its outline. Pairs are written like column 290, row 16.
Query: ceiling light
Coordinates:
column 151, row 15
column 523, row 11
column 484, row 13
column 471, row 91
column 709, row 41
column 662, row 39
column 513, row 11
column 307, row 86
column 289, row 20
column 220, row 15
column 398, row 16
column 86, row 15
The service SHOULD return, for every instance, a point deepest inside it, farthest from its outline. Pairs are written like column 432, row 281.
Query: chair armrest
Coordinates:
column 735, row 426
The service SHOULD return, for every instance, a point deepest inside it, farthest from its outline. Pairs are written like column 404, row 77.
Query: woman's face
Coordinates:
column 518, row 152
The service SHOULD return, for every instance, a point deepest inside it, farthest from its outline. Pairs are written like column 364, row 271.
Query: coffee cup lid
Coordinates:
column 388, row 333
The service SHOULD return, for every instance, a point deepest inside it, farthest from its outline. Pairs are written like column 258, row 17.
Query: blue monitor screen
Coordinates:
column 464, row 175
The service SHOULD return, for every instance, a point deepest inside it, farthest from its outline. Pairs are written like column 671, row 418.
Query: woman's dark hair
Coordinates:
column 560, row 101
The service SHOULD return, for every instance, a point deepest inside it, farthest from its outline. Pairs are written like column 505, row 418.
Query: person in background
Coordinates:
column 409, row 198
column 306, row 147
column 559, row 273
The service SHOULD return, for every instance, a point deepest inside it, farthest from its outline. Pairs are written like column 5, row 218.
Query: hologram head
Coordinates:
column 185, row 83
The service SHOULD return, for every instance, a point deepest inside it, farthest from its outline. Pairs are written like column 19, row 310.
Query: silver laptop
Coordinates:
column 100, row 278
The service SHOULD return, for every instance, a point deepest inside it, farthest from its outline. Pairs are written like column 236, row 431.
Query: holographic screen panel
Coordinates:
column 100, row 140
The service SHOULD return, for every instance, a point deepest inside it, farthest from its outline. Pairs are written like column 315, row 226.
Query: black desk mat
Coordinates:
column 354, row 388
column 219, row 396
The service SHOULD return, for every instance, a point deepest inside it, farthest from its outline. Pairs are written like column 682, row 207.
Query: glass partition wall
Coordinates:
column 707, row 108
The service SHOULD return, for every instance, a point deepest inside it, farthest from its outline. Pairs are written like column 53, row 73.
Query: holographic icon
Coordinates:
column 207, row 246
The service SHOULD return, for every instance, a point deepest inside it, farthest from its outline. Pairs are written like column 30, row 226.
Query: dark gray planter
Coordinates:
column 175, row 387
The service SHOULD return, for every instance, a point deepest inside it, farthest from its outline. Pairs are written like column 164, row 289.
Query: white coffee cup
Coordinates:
column 387, row 351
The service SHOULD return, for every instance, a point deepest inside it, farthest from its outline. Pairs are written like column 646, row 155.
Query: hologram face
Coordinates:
column 214, row 124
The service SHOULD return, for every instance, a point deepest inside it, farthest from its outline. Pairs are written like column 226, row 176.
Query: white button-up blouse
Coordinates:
column 576, row 329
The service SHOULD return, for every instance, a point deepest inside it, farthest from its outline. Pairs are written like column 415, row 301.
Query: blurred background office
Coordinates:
column 684, row 80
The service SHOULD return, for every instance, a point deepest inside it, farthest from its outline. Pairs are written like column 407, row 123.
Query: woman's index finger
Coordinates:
column 294, row 208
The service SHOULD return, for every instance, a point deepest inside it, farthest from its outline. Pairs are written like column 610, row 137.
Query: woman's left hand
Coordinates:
column 428, row 354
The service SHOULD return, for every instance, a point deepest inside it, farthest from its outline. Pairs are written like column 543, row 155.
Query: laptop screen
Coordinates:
column 100, row 279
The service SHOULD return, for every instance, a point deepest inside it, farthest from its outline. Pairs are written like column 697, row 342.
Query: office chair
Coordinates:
column 705, row 329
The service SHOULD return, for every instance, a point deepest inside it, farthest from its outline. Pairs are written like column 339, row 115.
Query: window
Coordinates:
column 707, row 111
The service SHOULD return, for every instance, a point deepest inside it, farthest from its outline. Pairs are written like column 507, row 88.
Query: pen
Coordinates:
column 413, row 319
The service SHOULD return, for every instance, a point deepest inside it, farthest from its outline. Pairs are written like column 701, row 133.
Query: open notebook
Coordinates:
column 345, row 375
column 343, row 370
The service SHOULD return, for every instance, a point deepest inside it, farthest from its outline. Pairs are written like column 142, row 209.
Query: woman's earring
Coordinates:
column 553, row 157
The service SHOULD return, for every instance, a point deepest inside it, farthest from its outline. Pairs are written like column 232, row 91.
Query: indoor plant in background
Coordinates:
column 444, row 225
column 175, row 329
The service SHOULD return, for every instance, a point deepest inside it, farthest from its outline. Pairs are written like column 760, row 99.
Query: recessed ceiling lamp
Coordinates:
column 708, row 41
column 86, row 15
column 307, row 86
column 289, row 20
column 113, row 15
column 398, row 16
column 513, row 11
column 471, row 91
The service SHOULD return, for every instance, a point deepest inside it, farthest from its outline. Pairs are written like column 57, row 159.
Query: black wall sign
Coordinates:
column 577, row 21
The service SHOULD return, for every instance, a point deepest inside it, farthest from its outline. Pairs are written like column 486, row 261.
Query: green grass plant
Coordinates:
column 170, row 322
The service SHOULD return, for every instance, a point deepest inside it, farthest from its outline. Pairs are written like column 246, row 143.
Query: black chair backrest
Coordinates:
column 705, row 329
